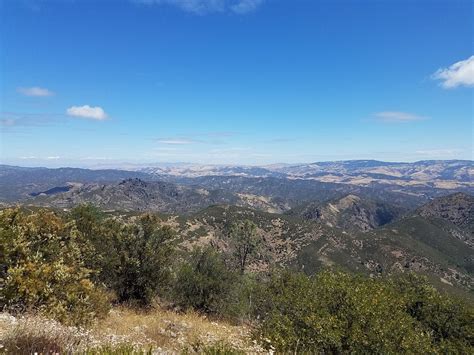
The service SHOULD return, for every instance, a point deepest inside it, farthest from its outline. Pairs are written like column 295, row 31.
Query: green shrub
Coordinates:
column 241, row 298
column 90, row 223
column 336, row 313
column 88, row 220
column 135, row 258
column 132, row 259
column 56, row 290
column 450, row 321
column 204, row 283
column 43, row 270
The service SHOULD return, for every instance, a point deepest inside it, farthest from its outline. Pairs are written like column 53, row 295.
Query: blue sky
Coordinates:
column 86, row 83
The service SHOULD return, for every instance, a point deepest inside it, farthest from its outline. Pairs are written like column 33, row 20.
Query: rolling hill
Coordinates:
column 138, row 195
column 350, row 213
column 412, row 243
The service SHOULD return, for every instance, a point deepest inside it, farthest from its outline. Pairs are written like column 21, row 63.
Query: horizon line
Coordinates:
column 115, row 166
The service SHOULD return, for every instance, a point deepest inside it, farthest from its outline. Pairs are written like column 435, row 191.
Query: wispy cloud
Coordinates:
column 94, row 158
column 29, row 157
column 88, row 112
column 440, row 153
column 246, row 6
column 218, row 134
column 35, row 91
column 177, row 141
column 32, row 157
column 458, row 74
column 10, row 120
column 215, row 138
column 202, row 7
column 397, row 116
column 281, row 140
column 204, row 156
column 166, row 149
column 7, row 122
column 230, row 150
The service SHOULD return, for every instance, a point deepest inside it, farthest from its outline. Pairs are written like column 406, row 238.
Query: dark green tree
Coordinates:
column 244, row 241
column 449, row 320
column 203, row 282
column 138, row 262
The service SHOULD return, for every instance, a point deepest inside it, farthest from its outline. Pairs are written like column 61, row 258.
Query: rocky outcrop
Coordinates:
column 457, row 208
column 351, row 213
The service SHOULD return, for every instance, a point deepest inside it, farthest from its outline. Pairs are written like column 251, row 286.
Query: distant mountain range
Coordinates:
column 19, row 183
column 273, row 188
column 443, row 174
column 365, row 216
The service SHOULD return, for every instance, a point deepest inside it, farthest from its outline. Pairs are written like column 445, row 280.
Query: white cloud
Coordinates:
column 246, row 6
column 35, row 91
column 397, row 116
column 175, row 141
column 28, row 157
column 86, row 111
column 458, row 74
column 32, row 157
column 202, row 7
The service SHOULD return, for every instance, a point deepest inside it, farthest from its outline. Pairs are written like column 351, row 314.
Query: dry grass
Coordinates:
column 174, row 332
column 34, row 334
column 163, row 331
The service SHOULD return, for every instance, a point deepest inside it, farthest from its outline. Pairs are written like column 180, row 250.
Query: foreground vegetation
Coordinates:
column 74, row 268
column 126, row 331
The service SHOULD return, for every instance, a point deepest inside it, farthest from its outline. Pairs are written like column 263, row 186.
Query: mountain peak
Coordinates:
column 346, row 202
